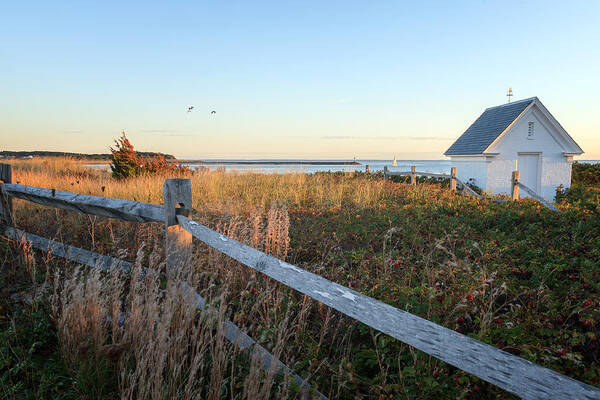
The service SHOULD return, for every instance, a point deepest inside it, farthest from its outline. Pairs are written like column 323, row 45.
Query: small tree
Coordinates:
column 125, row 161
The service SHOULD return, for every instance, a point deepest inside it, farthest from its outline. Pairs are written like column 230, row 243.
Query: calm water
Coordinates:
column 433, row 166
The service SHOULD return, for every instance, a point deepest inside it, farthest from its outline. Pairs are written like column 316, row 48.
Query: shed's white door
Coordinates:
column 528, row 165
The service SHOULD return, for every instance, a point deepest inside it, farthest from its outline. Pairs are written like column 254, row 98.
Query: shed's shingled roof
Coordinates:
column 487, row 128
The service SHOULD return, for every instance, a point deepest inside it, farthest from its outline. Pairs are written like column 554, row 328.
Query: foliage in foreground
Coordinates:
column 516, row 276
column 585, row 174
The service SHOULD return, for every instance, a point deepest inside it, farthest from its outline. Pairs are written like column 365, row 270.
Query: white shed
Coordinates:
column 522, row 136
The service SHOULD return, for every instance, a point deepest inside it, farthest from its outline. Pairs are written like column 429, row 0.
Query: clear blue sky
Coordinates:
column 289, row 79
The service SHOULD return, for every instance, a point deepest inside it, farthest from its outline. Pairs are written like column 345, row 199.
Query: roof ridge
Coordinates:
column 514, row 102
column 490, row 124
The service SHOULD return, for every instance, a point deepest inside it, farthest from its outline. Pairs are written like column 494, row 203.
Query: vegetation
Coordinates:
column 586, row 174
column 516, row 276
column 585, row 189
column 127, row 163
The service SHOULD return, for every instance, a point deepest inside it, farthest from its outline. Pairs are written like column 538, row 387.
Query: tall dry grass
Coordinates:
column 161, row 348
column 152, row 333
column 212, row 191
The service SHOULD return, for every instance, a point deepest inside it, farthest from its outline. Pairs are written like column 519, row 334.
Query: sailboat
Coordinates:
column 394, row 163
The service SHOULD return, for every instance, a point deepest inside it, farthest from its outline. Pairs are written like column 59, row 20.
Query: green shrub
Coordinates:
column 586, row 174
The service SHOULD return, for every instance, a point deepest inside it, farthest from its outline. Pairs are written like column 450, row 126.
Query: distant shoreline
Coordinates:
column 268, row 162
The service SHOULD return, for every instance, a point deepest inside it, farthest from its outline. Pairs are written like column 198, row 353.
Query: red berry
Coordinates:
column 572, row 277
column 543, row 319
column 460, row 320
column 470, row 297
column 435, row 374
column 562, row 352
column 499, row 345
column 476, row 388
column 252, row 290
column 498, row 320
column 587, row 303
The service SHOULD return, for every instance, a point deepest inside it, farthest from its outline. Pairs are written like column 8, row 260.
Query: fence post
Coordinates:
column 515, row 185
column 177, row 198
column 453, row 179
column 367, row 170
column 385, row 170
column 6, row 209
column 413, row 175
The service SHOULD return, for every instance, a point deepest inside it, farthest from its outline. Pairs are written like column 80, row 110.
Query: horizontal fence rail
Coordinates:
column 102, row 206
column 507, row 371
column 231, row 331
column 473, row 193
column 538, row 198
column 515, row 182
column 80, row 256
column 409, row 173
column 493, row 365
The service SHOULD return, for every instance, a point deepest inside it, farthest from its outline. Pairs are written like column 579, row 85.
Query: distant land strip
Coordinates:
column 83, row 156
column 268, row 162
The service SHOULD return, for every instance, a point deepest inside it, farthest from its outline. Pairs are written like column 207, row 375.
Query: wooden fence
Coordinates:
column 505, row 370
column 515, row 185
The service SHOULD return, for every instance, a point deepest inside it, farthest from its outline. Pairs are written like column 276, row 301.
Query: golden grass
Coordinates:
column 235, row 191
column 162, row 348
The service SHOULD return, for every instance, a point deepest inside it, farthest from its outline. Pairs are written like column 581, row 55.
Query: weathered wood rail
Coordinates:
column 507, row 371
column 467, row 190
column 104, row 207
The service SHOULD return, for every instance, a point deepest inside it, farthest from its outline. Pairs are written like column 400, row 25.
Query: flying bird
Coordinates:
column 213, row 112
column 190, row 108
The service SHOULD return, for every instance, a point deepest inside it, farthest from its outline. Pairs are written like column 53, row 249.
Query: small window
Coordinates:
column 530, row 131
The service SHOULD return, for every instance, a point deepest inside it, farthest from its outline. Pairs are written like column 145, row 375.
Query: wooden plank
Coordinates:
column 58, row 249
column 413, row 175
column 6, row 208
column 515, row 186
column 537, row 197
column 399, row 173
column 468, row 190
column 231, row 331
column 453, row 179
column 177, row 196
column 102, row 206
column 431, row 175
column 6, row 173
column 428, row 174
column 509, row 372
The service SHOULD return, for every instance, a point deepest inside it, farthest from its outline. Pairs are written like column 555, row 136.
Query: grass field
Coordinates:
column 517, row 276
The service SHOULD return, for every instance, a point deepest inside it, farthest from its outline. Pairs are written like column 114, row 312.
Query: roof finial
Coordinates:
column 509, row 94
